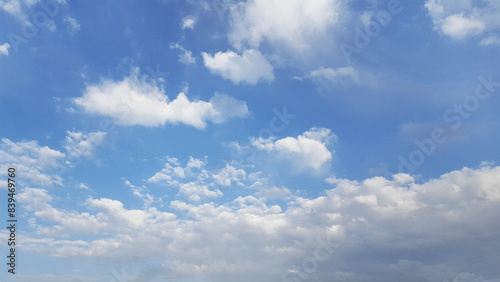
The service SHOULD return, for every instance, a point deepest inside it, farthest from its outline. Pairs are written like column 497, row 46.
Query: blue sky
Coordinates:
column 171, row 140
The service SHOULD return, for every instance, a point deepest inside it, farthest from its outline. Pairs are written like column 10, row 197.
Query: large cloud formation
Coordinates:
column 378, row 229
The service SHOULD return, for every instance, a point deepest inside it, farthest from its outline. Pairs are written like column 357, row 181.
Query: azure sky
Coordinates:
column 258, row 140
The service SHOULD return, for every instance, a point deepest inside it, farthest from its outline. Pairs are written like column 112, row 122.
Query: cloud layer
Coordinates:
column 378, row 229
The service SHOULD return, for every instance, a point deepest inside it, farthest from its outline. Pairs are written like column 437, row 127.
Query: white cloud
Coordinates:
column 490, row 40
column 135, row 101
column 443, row 229
column 466, row 18
column 37, row 164
column 333, row 77
column 4, row 49
column 283, row 23
column 195, row 191
column 459, row 26
column 186, row 57
column 188, row 22
column 251, row 67
column 79, row 144
column 72, row 23
column 308, row 150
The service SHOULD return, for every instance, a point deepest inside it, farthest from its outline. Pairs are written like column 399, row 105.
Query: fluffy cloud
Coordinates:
column 378, row 229
column 290, row 23
column 198, row 183
column 35, row 163
column 462, row 19
column 251, row 67
column 135, row 101
column 308, row 150
column 4, row 49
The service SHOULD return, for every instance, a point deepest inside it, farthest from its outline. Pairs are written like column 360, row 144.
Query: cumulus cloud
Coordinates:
column 135, row 101
column 463, row 19
column 308, row 150
column 36, row 163
column 282, row 22
column 193, row 180
column 250, row 67
column 377, row 229
column 4, row 49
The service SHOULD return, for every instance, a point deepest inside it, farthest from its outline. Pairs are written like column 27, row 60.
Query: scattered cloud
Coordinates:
column 462, row 19
column 4, row 49
column 79, row 144
column 251, row 67
column 186, row 57
column 490, row 40
column 72, row 24
column 135, row 101
column 333, row 77
column 37, row 164
column 188, row 22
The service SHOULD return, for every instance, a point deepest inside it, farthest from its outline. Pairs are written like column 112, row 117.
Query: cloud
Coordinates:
column 188, row 22
column 35, row 163
column 72, row 24
column 4, row 49
column 19, row 9
column 463, row 19
column 135, row 101
column 490, row 40
column 308, row 150
column 282, row 23
column 443, row 229
column 79, row 144
column 333, row 77
column 186, row 57
column 251, row 67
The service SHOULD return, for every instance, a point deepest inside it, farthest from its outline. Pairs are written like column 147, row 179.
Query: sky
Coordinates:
column 257, row 140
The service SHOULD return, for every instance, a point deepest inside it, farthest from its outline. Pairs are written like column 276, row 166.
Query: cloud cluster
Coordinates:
column 378, row 229
column 79, row 144
column 41, row 165
column 463, row 19
column 135, row 101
